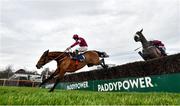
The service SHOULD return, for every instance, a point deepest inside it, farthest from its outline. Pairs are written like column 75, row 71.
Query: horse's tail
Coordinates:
column 102, row 54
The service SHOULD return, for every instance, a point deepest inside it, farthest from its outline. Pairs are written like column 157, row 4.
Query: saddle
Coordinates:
column 80, row 57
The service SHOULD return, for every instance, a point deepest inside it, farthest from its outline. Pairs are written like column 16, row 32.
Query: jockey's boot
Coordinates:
column 163, row 52
column 76, row 57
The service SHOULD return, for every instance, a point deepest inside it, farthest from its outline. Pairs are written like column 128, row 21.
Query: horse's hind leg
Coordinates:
column 102, row 63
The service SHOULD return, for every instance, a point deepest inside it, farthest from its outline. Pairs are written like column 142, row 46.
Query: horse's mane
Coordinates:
column 55, row 52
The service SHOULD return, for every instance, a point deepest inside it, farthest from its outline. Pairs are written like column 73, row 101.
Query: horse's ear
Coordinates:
column 47, row 51
column 141, row 30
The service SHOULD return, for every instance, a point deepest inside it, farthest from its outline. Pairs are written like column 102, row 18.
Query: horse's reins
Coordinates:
column 141, row 47
column 60, row 56
column 137, row 48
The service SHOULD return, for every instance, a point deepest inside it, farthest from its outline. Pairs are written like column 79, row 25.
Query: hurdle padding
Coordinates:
column 162, row 74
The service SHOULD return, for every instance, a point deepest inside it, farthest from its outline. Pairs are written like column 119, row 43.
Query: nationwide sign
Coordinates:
column 166, row 83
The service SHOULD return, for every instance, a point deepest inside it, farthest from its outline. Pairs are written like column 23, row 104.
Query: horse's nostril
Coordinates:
column 37, row 66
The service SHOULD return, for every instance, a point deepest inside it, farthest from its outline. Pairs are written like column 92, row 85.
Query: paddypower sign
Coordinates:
column 166, row 83
column 144, row 82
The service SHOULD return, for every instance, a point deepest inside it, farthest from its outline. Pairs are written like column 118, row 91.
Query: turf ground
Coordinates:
column 37, row 96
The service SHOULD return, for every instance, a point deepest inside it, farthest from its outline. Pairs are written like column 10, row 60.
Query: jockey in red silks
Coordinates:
column 160, row 46
column 81, row 42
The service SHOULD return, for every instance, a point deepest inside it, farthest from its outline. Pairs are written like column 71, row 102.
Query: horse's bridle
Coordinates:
column 44, row 61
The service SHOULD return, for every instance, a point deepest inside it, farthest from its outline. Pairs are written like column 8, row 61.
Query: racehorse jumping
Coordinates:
column 149, row 51
column 66, row 64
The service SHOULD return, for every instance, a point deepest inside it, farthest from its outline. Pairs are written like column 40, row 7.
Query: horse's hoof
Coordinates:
column 106, row 66
column 40, row 85
column 51, row 90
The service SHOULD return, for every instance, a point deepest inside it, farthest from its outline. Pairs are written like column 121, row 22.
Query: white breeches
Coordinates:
column 82, row 49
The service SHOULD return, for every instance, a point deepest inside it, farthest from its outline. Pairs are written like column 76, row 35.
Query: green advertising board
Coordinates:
column 160, row 83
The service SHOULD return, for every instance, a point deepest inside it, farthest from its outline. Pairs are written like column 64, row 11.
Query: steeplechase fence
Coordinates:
column 162, row 74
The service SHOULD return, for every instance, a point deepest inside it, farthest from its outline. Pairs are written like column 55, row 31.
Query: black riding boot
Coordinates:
column 163, row 52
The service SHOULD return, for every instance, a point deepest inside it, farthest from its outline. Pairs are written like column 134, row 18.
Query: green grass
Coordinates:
column 37, row 96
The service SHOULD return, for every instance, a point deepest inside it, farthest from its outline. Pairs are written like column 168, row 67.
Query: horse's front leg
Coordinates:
column 57, row 80
column 49, row 78
column 46, row 80
column 144, row 56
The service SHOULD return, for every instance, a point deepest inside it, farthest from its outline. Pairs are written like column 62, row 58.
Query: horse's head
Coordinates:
column 138, row 36
column 43, row 60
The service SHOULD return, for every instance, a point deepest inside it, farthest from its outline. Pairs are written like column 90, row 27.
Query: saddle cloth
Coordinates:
column 80, row 57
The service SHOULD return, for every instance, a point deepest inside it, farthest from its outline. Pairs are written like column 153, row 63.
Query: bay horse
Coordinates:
column 66, row 64
column 149, row 51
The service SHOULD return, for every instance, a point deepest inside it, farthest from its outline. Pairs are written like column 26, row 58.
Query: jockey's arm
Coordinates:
column 72, row 45
column 76, row 43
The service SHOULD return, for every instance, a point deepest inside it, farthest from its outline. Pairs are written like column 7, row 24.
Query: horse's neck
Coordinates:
column 144, row 41
column 54, row 55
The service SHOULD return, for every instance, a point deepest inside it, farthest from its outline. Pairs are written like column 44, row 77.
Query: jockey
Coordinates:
column 81, row 42
column 160, row 46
